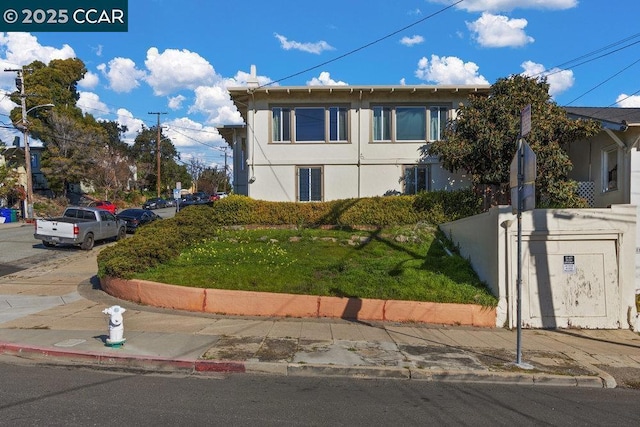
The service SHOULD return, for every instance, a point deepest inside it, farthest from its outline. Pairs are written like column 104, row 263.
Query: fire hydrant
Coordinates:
column 116, row 325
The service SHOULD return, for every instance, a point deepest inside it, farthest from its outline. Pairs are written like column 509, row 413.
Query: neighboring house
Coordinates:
column 608, row 164
column 14, row 157
column 321, row 143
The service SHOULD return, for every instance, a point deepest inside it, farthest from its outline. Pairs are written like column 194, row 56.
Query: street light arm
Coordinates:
column 39, row 106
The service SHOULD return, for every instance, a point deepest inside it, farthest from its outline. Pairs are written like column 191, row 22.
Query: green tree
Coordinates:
column 213, row 180
column 9, row 187
column 482, row 140
column 144, row 151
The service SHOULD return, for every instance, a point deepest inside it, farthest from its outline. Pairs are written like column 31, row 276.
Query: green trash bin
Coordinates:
column 14, row 215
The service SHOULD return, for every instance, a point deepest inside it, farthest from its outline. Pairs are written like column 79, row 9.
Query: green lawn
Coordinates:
column 408, row 263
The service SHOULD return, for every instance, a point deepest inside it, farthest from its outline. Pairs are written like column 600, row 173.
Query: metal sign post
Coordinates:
column 522, row 182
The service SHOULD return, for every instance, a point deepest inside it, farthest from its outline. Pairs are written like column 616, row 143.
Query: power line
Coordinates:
column 351, row 52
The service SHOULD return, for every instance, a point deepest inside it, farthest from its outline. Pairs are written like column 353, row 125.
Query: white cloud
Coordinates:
column 173, row 70
column 90, row 103
column 24, row 48
column 412, row 41
column 241, row 78
column 175, row 102
column 214, row 101
column 499, row 31
column 628, row 101
column 316, row 48
column 449, row 70
column 325, row 80
column 134, row 125
column 509, row 5
column 122, row 74
column 6, row 135
column 185, row 132
column 558, row 80
column 89, row 81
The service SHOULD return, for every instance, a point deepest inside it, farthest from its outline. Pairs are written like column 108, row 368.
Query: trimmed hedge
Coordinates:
column 166, row 239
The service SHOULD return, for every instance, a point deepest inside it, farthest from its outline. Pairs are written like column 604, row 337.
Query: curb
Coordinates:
column 147, row 364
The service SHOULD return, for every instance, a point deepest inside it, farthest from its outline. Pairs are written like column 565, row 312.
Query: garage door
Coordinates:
column 570, row 283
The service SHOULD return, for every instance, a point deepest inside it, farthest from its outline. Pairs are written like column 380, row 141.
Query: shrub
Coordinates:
column 163, row 240
column 445, row 206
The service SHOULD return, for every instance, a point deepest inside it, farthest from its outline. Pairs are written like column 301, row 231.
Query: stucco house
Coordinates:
column 321, row 143
column 608, row 164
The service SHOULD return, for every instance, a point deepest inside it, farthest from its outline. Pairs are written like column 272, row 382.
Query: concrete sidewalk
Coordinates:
column 52, row 313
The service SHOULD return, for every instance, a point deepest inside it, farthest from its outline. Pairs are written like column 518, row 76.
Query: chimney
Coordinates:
column 252, row 81
column 16, row 141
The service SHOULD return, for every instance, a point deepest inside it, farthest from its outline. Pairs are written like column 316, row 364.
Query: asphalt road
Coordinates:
column 36, row 395
column 19, row 250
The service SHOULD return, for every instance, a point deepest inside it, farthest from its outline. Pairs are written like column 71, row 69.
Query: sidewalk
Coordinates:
column 52, row 313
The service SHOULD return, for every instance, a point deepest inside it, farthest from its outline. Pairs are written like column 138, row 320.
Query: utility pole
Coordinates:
column 28, row 209
column 158, row 151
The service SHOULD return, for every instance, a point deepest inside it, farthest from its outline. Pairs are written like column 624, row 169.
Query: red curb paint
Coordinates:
column 216, row 366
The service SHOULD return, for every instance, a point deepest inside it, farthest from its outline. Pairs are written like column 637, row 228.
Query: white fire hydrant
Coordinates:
column 116, row 325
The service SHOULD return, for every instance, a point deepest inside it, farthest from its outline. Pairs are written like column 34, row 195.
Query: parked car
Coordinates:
column 137, row 218
column 171, row 203
column 79, row 226
column 187, row 200
column 221, row 194
column 155, row 203
column 201, row 198
column 104, row 204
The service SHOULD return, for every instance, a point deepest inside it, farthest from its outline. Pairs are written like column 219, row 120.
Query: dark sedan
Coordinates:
column 137, row 218
column 155, row 203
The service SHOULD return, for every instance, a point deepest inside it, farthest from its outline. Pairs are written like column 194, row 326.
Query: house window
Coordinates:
column 417, row 178
column 610, row 169
column 281, row 125
column 409, row 123
column 337, row 124
column 382, row 123
column 310, row 124
column 437, row 122
column 309, row 184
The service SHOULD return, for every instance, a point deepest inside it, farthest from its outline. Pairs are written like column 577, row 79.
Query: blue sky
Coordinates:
column 179, row 57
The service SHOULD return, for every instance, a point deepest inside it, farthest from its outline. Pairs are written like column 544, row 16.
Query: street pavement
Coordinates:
column 53, row 314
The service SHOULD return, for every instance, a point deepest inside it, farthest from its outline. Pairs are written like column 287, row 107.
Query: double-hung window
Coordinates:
column 437, row 122
column 382, row 123
column 408, row 123
column 417, row 178
column 610, row 169
column 309, row 124
column 281, row 124
column 310, row 184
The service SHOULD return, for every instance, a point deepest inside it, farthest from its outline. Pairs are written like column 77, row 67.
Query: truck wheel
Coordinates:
column 87, row 244
column 122, row 233
column 48, row 244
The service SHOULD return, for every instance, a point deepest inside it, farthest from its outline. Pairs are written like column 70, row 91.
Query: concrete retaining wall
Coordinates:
column 246, row 303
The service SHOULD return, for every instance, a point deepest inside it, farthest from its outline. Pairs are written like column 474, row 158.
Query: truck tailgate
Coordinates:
column 55, row 228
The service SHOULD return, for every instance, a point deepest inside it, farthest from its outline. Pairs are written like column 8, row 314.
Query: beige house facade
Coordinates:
column 322, row 143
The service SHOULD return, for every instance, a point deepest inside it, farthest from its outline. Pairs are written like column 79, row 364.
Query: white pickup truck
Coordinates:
column 80, row 226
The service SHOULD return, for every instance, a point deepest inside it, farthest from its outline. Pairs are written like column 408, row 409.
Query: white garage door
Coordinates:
column 570, row 283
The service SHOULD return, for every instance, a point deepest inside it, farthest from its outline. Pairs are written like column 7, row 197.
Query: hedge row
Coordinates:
column 166, row 239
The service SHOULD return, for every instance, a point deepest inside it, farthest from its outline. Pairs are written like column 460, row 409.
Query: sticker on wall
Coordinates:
column 569, row 265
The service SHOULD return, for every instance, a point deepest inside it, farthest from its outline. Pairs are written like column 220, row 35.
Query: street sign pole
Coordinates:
column 525, row 171
column 520, row 154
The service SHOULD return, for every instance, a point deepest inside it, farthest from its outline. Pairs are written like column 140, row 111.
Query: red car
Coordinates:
column 104, row 204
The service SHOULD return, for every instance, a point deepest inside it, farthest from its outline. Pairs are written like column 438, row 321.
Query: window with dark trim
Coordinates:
column 417, row 178
column 310, row 184
column 406, row 123
column 310, row 124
